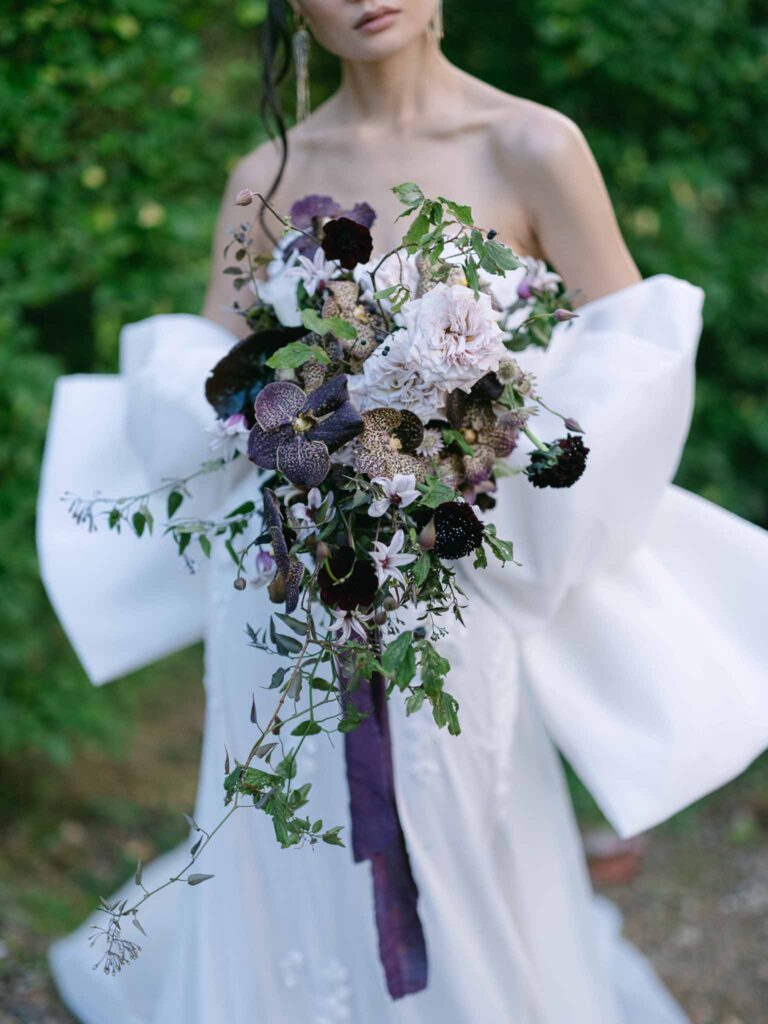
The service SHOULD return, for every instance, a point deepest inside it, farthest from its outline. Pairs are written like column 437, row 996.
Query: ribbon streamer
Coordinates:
column 377, row 835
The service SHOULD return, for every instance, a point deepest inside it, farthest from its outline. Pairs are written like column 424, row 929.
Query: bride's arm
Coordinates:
column 571, row 214
column 254, row 171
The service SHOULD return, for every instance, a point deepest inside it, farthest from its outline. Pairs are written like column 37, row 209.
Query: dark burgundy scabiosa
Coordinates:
column 347, row 241
column 295, row 432
column 560, row 465
column 347, row 582
column 311, row 212
column 458, row 531
column 288, row 570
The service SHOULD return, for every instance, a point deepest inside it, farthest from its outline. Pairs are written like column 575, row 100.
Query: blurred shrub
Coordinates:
column 118, row 124
column 672, row 97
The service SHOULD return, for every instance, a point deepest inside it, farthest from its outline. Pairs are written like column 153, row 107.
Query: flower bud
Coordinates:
column 428, row 536
column 380, row 618
column 390, row 603
column 524, row 291
column 245, row 197
column 276, row 590
column 322, row 551
column 508, row 371
column 240, row 583
column 561, row 315
column 572, row 424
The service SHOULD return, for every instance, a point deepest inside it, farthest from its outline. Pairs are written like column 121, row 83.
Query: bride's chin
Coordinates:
column 373, row 47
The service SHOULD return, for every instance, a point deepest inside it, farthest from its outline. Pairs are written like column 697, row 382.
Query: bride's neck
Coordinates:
column 400, row 90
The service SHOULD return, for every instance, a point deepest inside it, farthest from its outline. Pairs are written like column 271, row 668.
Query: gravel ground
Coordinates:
column 697, row 903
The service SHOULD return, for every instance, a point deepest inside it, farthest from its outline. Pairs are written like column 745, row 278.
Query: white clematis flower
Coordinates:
column 389, row 558
column 399, row 492
column 230, row 436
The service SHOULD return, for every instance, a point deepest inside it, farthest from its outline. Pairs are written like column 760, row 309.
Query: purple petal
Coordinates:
column 478, row 467
column 328, row 396
column 338, row 428
column 292, row 585
column 361, row 213
column 263, row 445
column 305, row 210
column 304, row 462
column 274, row 523
column 278, row 403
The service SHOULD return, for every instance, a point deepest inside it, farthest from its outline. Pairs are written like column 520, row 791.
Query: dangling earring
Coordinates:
column 436, row 24
column 301, row 41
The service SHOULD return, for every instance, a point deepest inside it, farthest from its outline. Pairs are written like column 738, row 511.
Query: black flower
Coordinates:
column 560, row 465
column 347, row 582
column 310, row 213
column 347, row 241
column 237, row 378
column 458, row 531
column 294, row 432
column 289, row 570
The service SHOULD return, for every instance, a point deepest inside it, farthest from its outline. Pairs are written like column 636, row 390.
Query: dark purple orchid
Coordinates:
column 289, row 570
column 490, row 436
column 295, row 432
column 309, row 214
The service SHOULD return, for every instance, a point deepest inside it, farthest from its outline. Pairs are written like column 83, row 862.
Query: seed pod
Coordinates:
column 427, row 536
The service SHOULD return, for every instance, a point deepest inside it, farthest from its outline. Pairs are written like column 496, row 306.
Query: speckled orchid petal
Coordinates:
column 478, row 467
column 274, row 523
column 279, row 403
column 502, row 436
column 305, row 210
column 263, row 445
column 304, row 462
column 338, row 428
column 293, row 585
column 328, row 396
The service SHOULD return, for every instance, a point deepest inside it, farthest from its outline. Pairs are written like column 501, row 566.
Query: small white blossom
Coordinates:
column 308, row 516
column 431, row 443
column 399, row 492
column 315, row 273
column 230, row 436
column 389, row 558
column 349, row 624
column 265, row 569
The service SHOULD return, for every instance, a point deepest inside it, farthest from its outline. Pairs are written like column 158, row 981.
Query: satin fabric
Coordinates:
column 629, row 634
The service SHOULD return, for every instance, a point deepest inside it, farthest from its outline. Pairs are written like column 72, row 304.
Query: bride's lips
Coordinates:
column 377, row 20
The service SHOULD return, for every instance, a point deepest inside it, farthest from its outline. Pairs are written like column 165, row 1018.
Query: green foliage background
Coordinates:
column 118, row 125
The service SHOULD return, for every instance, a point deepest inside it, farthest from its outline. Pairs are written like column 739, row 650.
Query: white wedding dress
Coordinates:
column 632, row 635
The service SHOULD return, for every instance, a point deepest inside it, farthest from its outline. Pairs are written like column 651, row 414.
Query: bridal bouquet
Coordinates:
column 379, row 397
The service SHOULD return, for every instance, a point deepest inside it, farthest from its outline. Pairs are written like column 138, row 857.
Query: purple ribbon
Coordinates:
column 377, row 835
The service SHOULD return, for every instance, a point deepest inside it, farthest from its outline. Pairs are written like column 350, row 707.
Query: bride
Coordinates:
column 630, row 636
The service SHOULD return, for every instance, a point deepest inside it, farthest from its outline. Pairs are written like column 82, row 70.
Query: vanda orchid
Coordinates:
column 378, row 400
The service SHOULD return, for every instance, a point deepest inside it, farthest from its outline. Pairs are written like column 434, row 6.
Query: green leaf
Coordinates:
column 175, row 498
column 415, row 701
column 413, row 236
column 308, row 728
column 421, row 568
column 399, row 660
column 138, row 522
column 463, row 214
column 184, row 539
column 502, row 549
column 470, row 272
column 320, row 684
column 277, row 678
column 456, row 437
column 434, row 492
column 242, row 510
column 338, row 327
column 205, row 544
column 296, row 625
column 332, row 836
column 296, row 353
column 284, row 644
column 409, row 193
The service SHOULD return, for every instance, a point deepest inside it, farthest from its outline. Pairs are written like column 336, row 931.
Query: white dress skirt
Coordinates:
column 632, row 636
